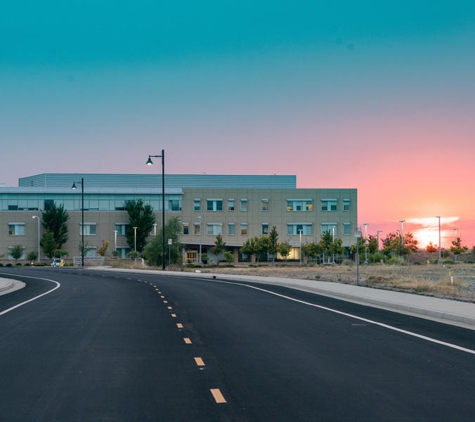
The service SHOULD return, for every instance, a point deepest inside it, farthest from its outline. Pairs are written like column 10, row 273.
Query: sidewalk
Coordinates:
column 8, row 286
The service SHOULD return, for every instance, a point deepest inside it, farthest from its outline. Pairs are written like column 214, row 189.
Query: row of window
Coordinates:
column 213, row 229
column 292, row 204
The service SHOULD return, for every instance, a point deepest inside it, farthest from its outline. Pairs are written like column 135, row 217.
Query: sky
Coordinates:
column 373, row 95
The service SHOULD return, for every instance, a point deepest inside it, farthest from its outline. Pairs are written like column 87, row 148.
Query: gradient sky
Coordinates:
column 373, row 95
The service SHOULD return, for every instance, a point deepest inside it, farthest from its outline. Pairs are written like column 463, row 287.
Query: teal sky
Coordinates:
column 377, row 95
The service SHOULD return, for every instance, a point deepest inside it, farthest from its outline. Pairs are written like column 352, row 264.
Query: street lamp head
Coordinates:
column 73, row 186
column 149, row 161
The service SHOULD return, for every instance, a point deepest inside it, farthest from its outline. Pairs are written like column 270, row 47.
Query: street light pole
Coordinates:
column 82, row 218
column 201, row 234
column 135, row 239
column 39, row 250
column 402, row 238
column 440, row 251
column 300, row 247
column 149, row 163
column 365, row 242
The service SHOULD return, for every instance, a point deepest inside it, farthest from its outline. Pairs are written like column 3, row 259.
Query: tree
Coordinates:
column 325, row 243
column 229, row 257
column 457, row 248
column 142, row 217
column 16, row 252
column 394, row 244
column 48, row 244
column 32, row 256
column 431, row 248
column 153, row 252
column 273, row 242
column 284, row 249
column 372, row 244
column 311, row 250
column 262, row 246
column 54, row 219
column 102, row 251
column 250, row 247
column 219, row 247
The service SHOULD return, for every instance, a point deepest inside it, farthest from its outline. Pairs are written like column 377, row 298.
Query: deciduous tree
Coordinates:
column 142, row 217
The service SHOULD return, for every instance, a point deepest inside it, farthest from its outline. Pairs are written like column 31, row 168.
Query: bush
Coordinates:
column 9, row 265
column 18, row 264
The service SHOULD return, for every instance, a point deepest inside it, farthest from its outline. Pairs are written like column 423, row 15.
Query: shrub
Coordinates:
column 9, row 265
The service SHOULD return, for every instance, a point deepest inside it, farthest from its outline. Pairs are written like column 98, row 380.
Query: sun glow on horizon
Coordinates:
column 427, row 231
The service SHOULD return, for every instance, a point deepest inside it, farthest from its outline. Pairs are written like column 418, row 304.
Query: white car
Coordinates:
column 56, row 262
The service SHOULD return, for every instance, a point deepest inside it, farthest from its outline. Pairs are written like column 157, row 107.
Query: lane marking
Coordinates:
column 163, row 297
column 165, row 301
column 173, row 315
column 58, row 285
column 369, row 321
column 187, row 340
column 199, row 361
column 218, row 396
column 179, row 325
column 169, row 307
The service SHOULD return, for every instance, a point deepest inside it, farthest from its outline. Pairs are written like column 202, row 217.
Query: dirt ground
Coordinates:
column 454, row 281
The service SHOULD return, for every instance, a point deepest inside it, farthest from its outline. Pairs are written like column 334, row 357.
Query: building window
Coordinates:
column 16, row 229
column 213, row 229
column 120, row 228
column 214, row 204
column 264, row 204
column 89, row 229
column 299, row 204
column 329, row 205
column 265, row 228
column 346, row 205
column 186, row 228
column 174, row 205
column 243, row 228
column 243, row 204
column 197, row 229
column 231, row 204
column 346, row 229
column 297, row 228
column 231, row 229
column 330, row 227
column 197, row 204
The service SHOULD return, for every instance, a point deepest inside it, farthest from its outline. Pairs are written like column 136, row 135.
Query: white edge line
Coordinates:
column 58, row 285
column 369, row 321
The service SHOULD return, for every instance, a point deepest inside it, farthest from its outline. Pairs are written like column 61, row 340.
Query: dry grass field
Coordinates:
column 455, row 281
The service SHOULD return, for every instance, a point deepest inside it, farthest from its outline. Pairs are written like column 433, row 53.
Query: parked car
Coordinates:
column 56, row 262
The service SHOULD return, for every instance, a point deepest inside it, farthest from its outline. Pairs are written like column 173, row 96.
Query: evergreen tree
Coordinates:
column 54, row 219
column 142, row 217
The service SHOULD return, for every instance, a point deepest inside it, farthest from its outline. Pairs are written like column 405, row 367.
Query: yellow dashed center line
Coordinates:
column 163, row 297
column 187, row 340
column 179, row 325
column 218, row 396
column 173, row 315
column 169, row 307
column 199, row 362
column 165, row 301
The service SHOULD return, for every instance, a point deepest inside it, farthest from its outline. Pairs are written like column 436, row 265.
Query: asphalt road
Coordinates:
column 124, row 347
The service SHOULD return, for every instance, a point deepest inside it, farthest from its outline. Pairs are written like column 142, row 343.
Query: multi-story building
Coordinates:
column 238, row 207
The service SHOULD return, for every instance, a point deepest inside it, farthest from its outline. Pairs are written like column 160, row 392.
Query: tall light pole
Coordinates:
column 365, row 242
column 135, row 239
column 300, row 247
column 201, row 234
column 38, row 218
column 440, row 251
column 402, row 238
column 115, row 240
column 82, row 217
column 149, row 163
